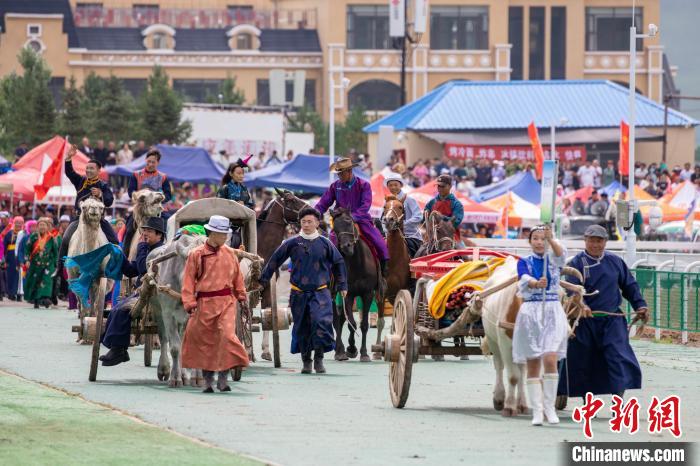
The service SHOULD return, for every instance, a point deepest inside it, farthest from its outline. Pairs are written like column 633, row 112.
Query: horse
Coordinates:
column 88, row 237
column 398, row 271
column 273, row 221
column 440, row 232
column 364, row 280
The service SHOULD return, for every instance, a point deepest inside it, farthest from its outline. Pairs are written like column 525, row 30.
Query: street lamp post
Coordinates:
column 631, row 240
column 332, row 87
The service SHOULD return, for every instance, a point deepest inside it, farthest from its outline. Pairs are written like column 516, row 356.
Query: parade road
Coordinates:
column 343, row 417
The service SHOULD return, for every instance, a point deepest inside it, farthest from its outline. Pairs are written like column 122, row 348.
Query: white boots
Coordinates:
column 550, row 383
column 542, row 394
column 534, row 393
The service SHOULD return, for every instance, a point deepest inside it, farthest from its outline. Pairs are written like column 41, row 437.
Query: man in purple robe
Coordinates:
column 354, row 194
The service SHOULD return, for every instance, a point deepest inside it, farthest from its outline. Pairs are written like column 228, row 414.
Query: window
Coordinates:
column 145, row 14
column 536, row 42
column 197, row 90
column 263, row 92
column 34, row 29
column 368, row 27
column 608, row 29
column 244, row 41
column 89, row 8
column 459, row 28
column 557, row 67
column 160, row 41
column 57, row 86
column 515, row 37
column 35, row 45
column 240, row 13
column 375, row 94
column 134, row 86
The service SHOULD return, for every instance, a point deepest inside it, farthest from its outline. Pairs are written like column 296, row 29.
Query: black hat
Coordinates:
column 309, row 211
column 156, row 223
column 244, row 163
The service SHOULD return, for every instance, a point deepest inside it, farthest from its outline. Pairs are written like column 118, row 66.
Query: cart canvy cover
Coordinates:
column 89, row 266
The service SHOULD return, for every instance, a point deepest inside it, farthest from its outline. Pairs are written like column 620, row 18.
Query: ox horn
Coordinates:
column 279, row 191
column 566, row 270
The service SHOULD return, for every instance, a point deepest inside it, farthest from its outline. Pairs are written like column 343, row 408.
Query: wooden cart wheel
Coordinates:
column 402, row 329
column 98, row 303
column 560, row 402
column 147, row 349
column 244, row 328
column 275, row 332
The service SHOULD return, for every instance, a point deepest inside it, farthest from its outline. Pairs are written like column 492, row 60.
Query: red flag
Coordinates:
column 52, row 175
column 624, row 149
column 536, row 148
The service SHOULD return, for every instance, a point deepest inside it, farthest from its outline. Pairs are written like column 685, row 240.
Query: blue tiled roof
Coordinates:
column 509, row 105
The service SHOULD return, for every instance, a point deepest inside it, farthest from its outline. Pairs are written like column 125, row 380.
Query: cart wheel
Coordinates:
column 402, row 325
column 147, row 349
column 275, row 332
column 236, row 374
column 99, row 303
column 244, row 328
column 560, row 402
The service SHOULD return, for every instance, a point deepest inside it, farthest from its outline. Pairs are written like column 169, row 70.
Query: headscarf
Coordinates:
column 16, row 219
column 28, row 225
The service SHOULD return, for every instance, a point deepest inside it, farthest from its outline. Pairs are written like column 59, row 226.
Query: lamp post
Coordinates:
column 631, row 240
column 553, row 130
column 332, row 87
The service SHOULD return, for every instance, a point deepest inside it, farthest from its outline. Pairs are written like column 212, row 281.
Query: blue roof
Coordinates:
column 510, row 105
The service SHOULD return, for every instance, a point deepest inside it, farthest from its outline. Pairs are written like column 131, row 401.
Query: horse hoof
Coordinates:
column 266, row 356
column 498, row 404
column 365, row 358
column 175, row 384
column 340, row 357
column 351, row 354
column 377, row 356
column 161, row 377
column 508, row 412
column 522, row 409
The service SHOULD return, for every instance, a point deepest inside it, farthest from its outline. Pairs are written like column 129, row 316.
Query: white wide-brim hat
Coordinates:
column 393, row 177
column 218, row 224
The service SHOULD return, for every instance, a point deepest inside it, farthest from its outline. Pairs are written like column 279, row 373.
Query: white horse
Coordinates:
column 88, row 237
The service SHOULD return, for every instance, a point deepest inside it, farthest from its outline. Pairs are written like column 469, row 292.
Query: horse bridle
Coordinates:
column 436, row 242
column 354, row 233
column 399, row 218
column 284, row 207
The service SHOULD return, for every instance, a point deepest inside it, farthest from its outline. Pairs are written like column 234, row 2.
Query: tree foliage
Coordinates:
column 161, row 110
column 230, row 94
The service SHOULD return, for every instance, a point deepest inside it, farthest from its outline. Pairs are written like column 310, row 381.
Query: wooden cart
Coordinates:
column 414, row 332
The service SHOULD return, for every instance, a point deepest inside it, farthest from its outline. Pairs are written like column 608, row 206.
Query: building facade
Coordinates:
column 202, row 42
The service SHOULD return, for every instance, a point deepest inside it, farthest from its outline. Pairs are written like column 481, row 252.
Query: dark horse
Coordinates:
column 363, row 278
column 440, row 232
column 273, row 221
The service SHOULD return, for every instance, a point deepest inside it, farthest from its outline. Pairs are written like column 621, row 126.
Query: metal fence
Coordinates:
column 673, row 299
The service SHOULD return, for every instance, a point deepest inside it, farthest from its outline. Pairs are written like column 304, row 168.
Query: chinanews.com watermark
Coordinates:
column 662, row 415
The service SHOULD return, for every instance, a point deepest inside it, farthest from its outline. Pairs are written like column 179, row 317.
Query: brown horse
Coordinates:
column 363, row 277
column 440, row 232
column 273, row 221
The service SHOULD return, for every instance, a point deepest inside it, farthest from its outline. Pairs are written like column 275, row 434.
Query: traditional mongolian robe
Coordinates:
column 42, row 253
column 211, row 286
column 13, row 266
column 600, row 359
column 236, row 192
column 314, row 262
column 355, row 196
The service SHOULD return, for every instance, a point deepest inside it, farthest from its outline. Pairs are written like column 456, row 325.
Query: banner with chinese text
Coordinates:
column 520, row 153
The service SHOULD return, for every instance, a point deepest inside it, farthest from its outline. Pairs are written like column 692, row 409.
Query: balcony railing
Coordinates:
column 195, row 18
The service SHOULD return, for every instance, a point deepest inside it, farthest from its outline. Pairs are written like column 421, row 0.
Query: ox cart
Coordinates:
column 415, row 332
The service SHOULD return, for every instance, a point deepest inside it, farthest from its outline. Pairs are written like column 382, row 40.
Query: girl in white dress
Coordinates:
column 540, row 335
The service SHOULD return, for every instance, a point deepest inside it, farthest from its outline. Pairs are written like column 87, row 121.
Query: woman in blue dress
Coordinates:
column 13, row 266
column 232, row 186
column 541, row 329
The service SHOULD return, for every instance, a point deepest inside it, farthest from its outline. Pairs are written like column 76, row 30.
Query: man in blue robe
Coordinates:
column 315, row 261
column 600, row 359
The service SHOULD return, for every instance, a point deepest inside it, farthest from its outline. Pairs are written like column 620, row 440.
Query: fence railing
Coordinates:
column 673, row 299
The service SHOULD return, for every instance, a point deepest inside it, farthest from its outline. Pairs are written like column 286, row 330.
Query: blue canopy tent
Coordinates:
column 523, row 184
column 307, row 173
column 180, row 164
column 612, row 188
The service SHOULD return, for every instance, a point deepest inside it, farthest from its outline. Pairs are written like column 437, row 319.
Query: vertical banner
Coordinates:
column 385, row 145
column 278, row 88
column 550, row 173
column 623, row 166
column 420, row 19
column 397, row 18
column 536, row 147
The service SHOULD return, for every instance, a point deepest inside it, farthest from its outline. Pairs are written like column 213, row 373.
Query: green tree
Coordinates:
column 349, row 135
column 27, row 110
column 305, row 120
column 161, row 111
column 115, row 112
column 230, row 94
column 71, row 121
column 93, row 90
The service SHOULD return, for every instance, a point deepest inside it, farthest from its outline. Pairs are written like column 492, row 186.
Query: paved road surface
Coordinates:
column 344, row 417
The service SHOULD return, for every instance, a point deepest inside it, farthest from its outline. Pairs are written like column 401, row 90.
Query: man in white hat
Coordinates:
column 413, row 215
column 211, row 286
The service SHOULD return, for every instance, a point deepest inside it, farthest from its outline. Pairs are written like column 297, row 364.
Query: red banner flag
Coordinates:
column 624, row 149
column 536, row 148
column 52, row 176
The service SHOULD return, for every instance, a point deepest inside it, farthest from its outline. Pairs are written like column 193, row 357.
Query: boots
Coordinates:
column 208, row 381
column 318, row 362
column 116, row 355
column 221, row 382
column 534, row 393
column 306, row 359
column 550, row 382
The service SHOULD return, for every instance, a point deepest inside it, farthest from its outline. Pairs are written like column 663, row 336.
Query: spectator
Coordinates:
column 609, row 173
column 498, row 173
column 663, row 185
column 483, row 174
column 421, row 172
column 566, row 206
column 274, row 159
column 597, row 176
column 696, row 174
column 85, row 147
column 140, row 149
column 100, row 153
column 125, row 155
column 640, row 172
column 586, row 175
column 21, row 150
column 459, row 171
column 438, row 167
column 290, row 155
column 111, row 153
column 579, row 207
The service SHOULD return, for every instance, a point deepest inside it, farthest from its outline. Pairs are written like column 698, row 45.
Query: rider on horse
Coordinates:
column 412, row 214
column 355, row 194
column 232, row 186
column 446, row 203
